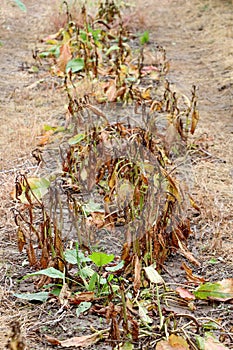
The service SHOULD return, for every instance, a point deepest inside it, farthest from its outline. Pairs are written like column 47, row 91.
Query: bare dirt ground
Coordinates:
column 197, row 36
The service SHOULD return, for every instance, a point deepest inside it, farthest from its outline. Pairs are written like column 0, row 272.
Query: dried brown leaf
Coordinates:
column 21, row 239
column 84, row 296
column 187, row 254
column 195, row 118
column 31, row 255
column 137, row 274
column 189, row 275
column 65, row 56
column 83, row 341
column 185, row 294
column 64, row 295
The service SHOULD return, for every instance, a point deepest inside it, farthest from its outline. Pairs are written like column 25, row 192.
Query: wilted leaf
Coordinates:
column 44, row 139
column 65, row 56
column 137, row 274
column 20, row 239
column 98, row 219
column 185, row 294
column 40, row 296
column 221, row 291
column 195, row 118
column 81, row 297
column 111, row 91
column 173, row 342
column 101, row 259
column 64, row 295
column 38, row 186
column 31, row 254
column 189, row 275
column 152, row 275
column 76, row 342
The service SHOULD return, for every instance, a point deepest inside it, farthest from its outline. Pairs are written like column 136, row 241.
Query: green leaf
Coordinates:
column 55, row 129
column 41, row 296
column 21, row 5
column 71, row 256
column 93, row 281
column 50, row 272
column 75, row 65
column 101, row 259
column 213, row 261
column 200, row 342
column 127, row 346
column 38, row 188
column 92, row 207
column 76, row 139
column 83, row 306
column 144, row 38
column 210, row 325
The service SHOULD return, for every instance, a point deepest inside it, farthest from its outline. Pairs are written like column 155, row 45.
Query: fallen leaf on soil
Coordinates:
column 174, row 342
column 45, row 138
column 185, row 294
column 84, row 296
column 83, row 341
column 210, row 343
column 189, row 275
column 221, row 291
column 186, row 253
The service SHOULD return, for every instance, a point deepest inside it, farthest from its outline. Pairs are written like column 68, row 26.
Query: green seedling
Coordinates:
column 144, row 38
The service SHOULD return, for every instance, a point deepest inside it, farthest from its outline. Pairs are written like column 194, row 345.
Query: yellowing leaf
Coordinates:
column 221, row 291
column 146, row 94
column 38, row 187
column 44, row 139
column 152, row 275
